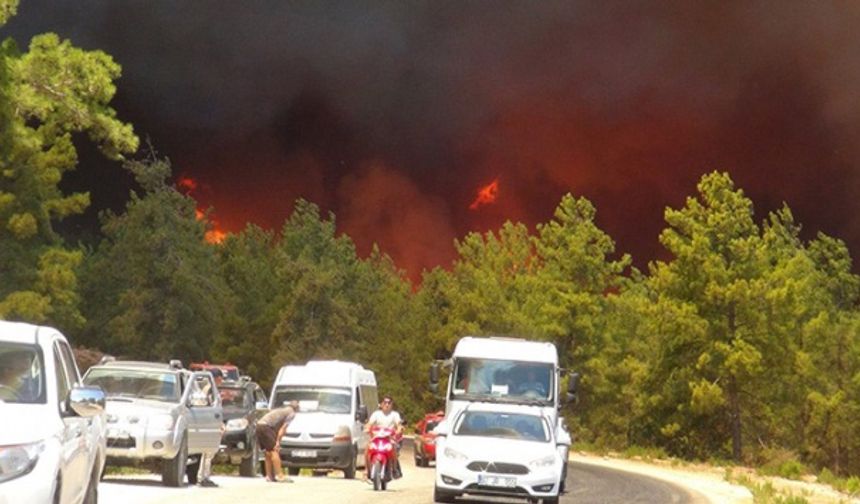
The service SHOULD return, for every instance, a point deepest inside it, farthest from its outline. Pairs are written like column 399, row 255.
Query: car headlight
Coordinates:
column 454, row 454
column 547, row 461
column 18, row 460
column 237, row 424
column 161, row 422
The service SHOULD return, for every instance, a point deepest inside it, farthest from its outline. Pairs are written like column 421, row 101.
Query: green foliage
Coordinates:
column 150, row 284
column 47, row 94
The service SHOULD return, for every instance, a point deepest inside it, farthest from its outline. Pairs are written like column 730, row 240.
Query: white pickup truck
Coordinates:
column 52, row 444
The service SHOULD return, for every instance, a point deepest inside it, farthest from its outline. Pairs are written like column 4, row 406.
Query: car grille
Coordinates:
column 497, row 467
column 121, row 442
column 291, row 434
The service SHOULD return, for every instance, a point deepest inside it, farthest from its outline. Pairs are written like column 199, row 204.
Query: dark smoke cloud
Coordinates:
column 393, row 113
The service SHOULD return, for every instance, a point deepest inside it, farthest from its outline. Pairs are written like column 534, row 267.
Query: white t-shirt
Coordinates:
column 388, row 421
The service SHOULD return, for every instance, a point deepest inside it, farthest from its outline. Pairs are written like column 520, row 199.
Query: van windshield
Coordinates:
column 315, row 399
column 504, row 380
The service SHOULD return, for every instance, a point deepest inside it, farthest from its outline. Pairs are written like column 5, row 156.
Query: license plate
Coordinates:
column 117, row 434
column 496, row 481
column 305, row 453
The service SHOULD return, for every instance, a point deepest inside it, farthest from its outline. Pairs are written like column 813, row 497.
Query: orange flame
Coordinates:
column 187, row 183
column 214, row 234
column 486, row 195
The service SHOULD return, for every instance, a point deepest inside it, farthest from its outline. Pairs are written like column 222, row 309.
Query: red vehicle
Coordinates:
column 228, row 371
column 425, row 438
column 382, row 454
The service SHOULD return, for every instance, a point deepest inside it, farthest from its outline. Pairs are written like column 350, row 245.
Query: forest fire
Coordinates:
column 486, row 195
column 214, row 233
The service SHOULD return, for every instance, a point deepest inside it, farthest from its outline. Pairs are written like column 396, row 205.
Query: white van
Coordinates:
column 328, row 432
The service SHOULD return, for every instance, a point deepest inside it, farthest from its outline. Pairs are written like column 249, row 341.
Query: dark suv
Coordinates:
column 243, row 402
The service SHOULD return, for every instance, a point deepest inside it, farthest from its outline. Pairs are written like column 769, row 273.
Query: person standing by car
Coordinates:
column 386, row 418
column 13, row 365
column 270, row 430
column 204, row 473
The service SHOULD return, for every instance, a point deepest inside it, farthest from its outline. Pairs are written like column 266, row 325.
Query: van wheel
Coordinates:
column 349, row 472
column 173, row 470
column 293, row 471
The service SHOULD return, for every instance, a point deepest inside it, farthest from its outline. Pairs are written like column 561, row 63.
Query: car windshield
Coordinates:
column 505, row 380
column 502, row 425
column 22, row 377
column 326, row 400
column 157, row 385
column 233, row 397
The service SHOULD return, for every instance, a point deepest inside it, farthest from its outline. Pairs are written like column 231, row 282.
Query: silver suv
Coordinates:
column 160, row 411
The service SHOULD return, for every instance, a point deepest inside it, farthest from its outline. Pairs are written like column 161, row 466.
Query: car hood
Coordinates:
column 318, row 423
column 500, row 450
column 26, row 423
column 126, row 406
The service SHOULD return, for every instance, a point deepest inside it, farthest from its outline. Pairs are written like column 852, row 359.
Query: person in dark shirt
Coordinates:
column 270, row 430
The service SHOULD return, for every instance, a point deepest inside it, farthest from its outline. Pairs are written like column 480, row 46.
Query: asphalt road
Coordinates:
column 586, row 484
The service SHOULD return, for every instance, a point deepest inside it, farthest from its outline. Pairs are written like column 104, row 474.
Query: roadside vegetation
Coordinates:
column 740, row 344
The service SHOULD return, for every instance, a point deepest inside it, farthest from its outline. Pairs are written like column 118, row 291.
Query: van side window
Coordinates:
column 369, row 397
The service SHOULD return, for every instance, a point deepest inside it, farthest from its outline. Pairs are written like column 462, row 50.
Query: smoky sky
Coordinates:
column 393, row 114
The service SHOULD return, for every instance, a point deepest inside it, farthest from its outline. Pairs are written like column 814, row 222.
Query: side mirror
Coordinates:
column 361, row 414
column 434, row 377
column 573, row 387
column 87, row 401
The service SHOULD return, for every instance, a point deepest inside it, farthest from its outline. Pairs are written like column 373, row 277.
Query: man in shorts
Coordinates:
column 270, row 430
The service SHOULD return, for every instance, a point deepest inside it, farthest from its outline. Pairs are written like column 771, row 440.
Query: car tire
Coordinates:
column 248, row 465
column 92, row 495
column 440, row 495
column 349, row 471
column 551, row 500
column 173, row 470
column 293, row 471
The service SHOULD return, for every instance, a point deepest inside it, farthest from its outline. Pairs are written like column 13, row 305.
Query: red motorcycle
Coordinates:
column 382, row 454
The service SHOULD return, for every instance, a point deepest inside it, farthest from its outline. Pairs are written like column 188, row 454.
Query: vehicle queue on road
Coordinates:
column 180, row 421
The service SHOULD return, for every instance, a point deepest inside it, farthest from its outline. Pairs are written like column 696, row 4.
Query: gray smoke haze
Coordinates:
column 392, row 114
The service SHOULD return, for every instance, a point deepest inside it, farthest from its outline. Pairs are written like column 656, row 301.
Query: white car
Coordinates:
column 52, row 440
column 498, row 450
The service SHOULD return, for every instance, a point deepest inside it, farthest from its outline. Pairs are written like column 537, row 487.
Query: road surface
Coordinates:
column 587, row 484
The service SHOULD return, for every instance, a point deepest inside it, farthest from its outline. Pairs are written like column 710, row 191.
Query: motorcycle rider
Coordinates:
column 387, row 418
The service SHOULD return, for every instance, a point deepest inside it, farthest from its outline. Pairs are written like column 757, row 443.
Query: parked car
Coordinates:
column 228, row 371
column 244, row 402
column 52, row 444
column 425, row 438
column 160, row 412
column 503, row 450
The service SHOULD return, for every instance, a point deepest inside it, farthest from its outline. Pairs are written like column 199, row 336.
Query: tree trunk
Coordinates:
column 735, row 418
